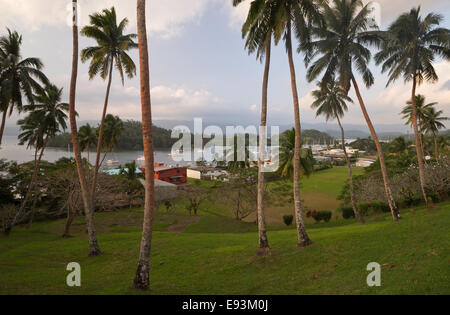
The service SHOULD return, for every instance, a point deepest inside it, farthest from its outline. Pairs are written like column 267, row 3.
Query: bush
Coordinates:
column 288, row 219
column 363, row 208
column 323, row 215
column 347, row 212
column 380, row 207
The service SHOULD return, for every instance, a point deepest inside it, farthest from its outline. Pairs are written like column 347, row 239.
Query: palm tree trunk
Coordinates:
column 37, row 161
column 350, row 176
column 302, row 236
column 70, row 216
column 420, row 129
column 263, row 241
column 419, row 147
column 100, row 134
column 33, row 208
column 436, row 151
column 387, row 188
column 142, row 279
column 94, row 249
column 2, row 127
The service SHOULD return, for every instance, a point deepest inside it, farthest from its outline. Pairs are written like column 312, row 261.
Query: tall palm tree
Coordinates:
column 340, row 47
column 94, row 249
column 142, row 279
column 112, row 49
column 287, row 156
column 331, row 102
column 409, row 49
column 46, row 118
column 17, row 76
column 112, row 133
column 421, row 109
column 87, row 137
column 297, row 16
column 433, row 122
column 258, row 30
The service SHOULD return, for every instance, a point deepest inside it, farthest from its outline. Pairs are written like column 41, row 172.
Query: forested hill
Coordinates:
column 314, row 136
column 131, row 138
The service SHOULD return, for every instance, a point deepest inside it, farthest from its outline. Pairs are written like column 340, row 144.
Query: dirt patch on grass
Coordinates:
column 181, row 227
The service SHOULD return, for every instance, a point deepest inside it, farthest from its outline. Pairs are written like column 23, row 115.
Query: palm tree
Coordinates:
column 112, row 49
column 409, row 48
column 258, row 33
column 433, row 121
column 87, row 137
column 142, row 279
column 46, row 118
column 112, row 133
column 330, row 101
column 94, row 249
column 421, row 109
column 17, row 76
column 297, row 15
column 287, row 156
column 340, row 47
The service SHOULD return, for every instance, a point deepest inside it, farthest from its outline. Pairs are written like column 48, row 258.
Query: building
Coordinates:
column 206, row 173
column 170, row 174
column 164, row 191
column 364, row 162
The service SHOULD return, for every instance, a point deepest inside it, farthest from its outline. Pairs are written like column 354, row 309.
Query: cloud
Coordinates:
column 237, row 15
column 168, row 103
column 392, row 99
column 165, row 18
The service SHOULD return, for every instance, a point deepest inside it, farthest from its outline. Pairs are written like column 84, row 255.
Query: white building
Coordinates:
column 206, row 173
column 364, row 162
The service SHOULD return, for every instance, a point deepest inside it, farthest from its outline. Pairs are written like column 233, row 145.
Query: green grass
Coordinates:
column 414, row 254
column 319, row 192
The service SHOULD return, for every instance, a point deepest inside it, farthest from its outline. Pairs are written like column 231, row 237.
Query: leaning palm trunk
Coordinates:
column 94, row 249
column 387, row 188
column 2, row 127
column 436, row 151
column 100, row 135
column 418, row 139
column 420, row 131
column 302, row 236
column 263, row 241
column 350, row 176
column 30, row 187
column 142, row 279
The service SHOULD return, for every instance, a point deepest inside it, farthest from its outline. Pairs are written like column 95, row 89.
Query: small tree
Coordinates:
column 195, row 196
column 240, row 192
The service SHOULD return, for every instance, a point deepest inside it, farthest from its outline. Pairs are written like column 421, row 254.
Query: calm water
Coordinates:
column 10, row 150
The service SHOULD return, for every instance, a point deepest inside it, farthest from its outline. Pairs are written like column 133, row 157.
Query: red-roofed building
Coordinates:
column 169, row 174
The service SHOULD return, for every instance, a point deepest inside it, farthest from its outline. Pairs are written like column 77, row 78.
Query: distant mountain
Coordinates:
column 351, row 131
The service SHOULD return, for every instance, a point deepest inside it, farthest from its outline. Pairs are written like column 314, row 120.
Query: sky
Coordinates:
column 198, row 64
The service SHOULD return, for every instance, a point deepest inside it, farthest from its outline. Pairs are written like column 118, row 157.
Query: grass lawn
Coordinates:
column 319, row 192
column 414, row 254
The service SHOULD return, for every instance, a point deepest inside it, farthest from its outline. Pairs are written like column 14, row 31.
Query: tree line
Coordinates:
column 130, row 138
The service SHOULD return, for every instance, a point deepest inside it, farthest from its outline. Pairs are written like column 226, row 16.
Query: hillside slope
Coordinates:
column 414, row 255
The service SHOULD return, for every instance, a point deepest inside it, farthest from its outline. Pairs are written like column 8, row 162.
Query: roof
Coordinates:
column 166, row 168
column 204, row 169
column 160, row 183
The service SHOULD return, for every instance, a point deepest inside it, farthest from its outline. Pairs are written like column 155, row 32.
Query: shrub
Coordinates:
column 380, row 207
column 347, row 212
column 363, row 208
column 288, row 219
column 323, row 215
